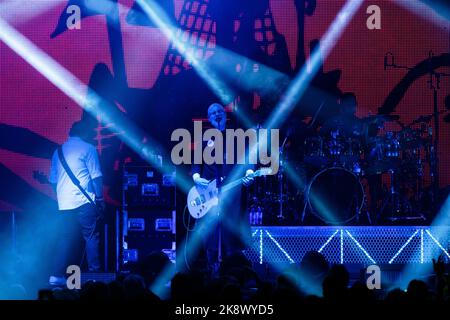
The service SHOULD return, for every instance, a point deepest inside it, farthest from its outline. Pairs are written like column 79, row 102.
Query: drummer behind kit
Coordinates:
column 339, row 163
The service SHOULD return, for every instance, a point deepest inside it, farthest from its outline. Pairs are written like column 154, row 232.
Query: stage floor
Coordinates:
column 362, row 245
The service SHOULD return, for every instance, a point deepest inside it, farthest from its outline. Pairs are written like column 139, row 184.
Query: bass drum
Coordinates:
column 335, row 195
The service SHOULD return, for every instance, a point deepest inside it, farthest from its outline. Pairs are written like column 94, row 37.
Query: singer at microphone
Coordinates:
column 222, row 237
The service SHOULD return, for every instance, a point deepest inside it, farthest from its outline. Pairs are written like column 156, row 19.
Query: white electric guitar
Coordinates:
column 201, row 199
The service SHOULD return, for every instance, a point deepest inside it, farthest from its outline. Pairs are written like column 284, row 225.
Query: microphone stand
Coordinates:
column 434, row 85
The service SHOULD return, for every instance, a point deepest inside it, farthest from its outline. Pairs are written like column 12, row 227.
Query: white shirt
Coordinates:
column 82, row 159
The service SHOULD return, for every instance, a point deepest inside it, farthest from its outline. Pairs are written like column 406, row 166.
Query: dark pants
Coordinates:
column 70, row 223
column 228, row 229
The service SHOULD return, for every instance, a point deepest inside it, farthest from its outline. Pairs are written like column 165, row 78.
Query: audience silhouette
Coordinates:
column 238, row 282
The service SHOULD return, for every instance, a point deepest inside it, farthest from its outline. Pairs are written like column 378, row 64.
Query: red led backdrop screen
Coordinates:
column 128, row 60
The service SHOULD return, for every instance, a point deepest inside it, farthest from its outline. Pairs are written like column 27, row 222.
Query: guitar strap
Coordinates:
column 77, row 183
column 72, row 177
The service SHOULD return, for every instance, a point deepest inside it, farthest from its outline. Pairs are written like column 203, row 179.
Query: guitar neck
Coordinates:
column 231, row 185
column 235, row 183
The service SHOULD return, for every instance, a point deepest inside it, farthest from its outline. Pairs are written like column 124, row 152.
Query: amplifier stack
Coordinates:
column 148, row 213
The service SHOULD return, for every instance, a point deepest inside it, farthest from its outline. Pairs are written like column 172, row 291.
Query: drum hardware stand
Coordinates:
column 280, row 179
column 357, row 213
column 391, row 198
column 363, row 207
column 394, row 198
column 367, row 211
column 305, row 200
column 434, row 84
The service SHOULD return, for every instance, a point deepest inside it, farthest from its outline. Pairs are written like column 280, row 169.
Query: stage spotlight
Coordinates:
column 162, row 21
column 294, row 93
column 216, row 74
column 436, row 12
column 306, row 74
column 243, row 73
column 85, row 97
column 149, row 11
column 299, row 84
column 439, row 228
column 308, row 71
column 22, row 11
column 76, row 90
column 136, row 15
column 300, row 183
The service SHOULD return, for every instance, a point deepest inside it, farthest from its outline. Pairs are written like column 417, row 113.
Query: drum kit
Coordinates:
column 331, row 177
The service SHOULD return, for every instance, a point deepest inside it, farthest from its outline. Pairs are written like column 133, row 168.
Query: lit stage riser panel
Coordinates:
column 350, row 245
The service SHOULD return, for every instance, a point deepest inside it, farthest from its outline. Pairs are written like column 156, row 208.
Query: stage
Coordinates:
column 139, row 140
column 365, row 245
column 401, row 252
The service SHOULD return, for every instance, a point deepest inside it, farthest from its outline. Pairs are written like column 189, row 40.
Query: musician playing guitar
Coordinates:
column 77, row 178
column 223, row 228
